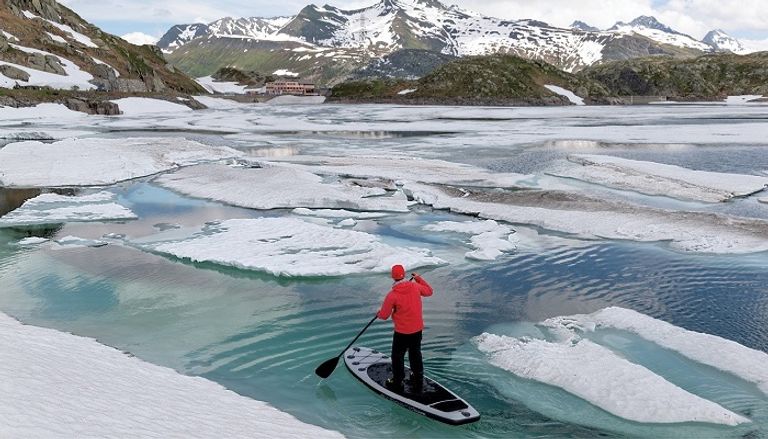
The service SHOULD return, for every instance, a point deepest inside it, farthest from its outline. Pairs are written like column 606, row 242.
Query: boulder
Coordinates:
column 14, row 73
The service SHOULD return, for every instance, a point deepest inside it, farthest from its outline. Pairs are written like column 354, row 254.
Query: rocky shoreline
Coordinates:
column 85, row 102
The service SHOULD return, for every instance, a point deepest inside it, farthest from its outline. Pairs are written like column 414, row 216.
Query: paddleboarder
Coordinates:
column 403, row 303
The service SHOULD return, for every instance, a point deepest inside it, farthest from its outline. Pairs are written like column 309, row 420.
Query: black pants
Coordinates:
column 412, row 344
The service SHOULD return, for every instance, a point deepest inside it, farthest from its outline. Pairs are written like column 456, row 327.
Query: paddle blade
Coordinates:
column 326, row 369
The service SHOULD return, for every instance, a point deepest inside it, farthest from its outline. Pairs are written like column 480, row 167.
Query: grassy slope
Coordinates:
column 493, row 77
column 703, row 76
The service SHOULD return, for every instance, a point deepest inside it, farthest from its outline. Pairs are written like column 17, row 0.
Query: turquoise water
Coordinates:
column 262, row 336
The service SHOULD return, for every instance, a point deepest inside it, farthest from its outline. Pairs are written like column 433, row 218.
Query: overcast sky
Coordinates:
column 744, row 19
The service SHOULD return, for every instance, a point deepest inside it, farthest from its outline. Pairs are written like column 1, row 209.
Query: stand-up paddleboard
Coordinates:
column 435, row 401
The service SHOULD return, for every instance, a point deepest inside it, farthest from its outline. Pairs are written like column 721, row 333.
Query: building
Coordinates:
column 290, row 88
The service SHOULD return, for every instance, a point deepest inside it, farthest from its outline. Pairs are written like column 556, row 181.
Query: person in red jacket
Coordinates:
column 403, row 303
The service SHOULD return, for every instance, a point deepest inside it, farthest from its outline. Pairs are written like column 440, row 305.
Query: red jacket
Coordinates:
column 403, row 303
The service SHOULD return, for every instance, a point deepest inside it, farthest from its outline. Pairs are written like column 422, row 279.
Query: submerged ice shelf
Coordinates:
column 53, row 209
column 288, row 247
column 603, row 378
column 660, row 179
column 717, row 352
column 561, row 355
column 57, row 385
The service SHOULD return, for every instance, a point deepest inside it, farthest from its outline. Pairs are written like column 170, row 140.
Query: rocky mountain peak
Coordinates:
column 580, row 25
column 723, row 42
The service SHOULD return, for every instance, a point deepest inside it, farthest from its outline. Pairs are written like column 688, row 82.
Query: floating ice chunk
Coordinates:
column 694, row 232
column 763, row 200
column 567, row 93
column 719, row 353
column 142, row 106
column 32, row 240
column 741, row 100
column 349, row 222
column 339, row 213
column 53, row 208
column 74, row 241
column 92, row 161
column 660, row 179
column 601, row 377
column 490, row 239
column 403, row 169
column 290, row 247
column 273, row 187
column 218, row 103
column 61, row 385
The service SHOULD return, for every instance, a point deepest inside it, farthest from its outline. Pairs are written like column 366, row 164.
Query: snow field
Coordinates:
column 56, row 385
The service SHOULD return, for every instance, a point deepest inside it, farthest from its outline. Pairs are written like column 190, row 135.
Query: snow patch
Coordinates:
column 284, row 72
column 741, row 100
column 289, row 247
column 61, row 385
column 77, row 36
column 93, row 161
column 214, row 86
column 407, row 91
column 567, row 93
column 142, row 106
column 74, row 77
column 601, row 377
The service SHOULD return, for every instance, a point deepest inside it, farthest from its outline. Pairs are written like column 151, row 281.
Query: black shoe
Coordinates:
column 394, row 386
column 416, row 383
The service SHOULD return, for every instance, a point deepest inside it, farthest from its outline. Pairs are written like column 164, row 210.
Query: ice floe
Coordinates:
column 661, row 179
column 275, row 187
column 30, row 241
column 296, row 100
column 58, row 385
column 603, row 378
column 74, row 241
column 576, row 100
column 741, row 100
column 595, row 219
column 288, row 247
column 141, row 106
column 489, row 238
column 53, row 208
column 339, row 213
column 93, row 161
column 717, row 352
column 405, row 168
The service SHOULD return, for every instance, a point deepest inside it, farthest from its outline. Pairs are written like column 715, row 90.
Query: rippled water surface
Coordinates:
column 262, row 336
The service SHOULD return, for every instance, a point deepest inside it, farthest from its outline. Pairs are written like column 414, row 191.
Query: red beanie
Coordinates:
column 398, row 272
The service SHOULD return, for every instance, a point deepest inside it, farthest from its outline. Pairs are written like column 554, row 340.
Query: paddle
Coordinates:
column 326, row 369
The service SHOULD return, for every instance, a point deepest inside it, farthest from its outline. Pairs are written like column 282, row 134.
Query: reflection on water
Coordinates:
column 12, row 199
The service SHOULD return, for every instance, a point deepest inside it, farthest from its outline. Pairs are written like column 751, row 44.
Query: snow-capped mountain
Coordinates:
column 650, row 27
column 253, row 27
column 580, row 25
column 392, row 25
column 721, row 41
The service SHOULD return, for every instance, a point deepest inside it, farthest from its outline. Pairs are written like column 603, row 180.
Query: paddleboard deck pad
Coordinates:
column 373, row 368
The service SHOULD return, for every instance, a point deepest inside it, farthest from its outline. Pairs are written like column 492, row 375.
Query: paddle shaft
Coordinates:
column 358, row 336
